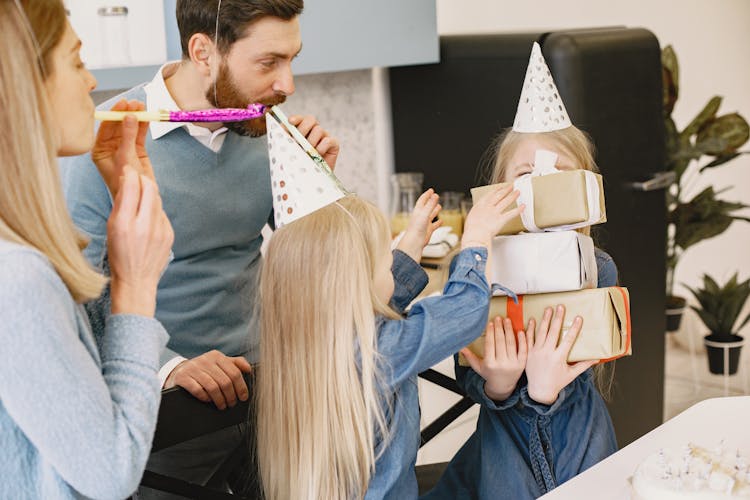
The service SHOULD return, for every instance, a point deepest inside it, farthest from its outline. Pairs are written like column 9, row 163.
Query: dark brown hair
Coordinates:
column 199, row 16
column 47, row 20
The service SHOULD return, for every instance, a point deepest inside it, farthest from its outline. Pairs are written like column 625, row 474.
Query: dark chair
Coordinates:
column 182, row 418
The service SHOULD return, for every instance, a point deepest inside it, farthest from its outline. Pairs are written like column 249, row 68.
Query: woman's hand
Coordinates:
column 421, row 225
column 503, row 363
column 488, row 216
column 122, row 143
column 139, row 239
column 547, row 368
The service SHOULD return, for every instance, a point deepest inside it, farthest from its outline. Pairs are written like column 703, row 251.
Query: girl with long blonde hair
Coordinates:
column 541, row 420
column 76, row 413
column 338, row 411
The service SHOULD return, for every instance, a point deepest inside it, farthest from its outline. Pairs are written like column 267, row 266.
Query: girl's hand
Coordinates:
column 139, row 239
column 488, row 216
column 122, row 143
column 547, row 368
column 502, row 364
column 421, row 225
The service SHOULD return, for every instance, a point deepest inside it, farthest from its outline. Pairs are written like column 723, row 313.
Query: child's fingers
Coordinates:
column 489, row 341
column 436, row 209
column 424, row 198
column 507, row 200
column 577, row 368
column 530, row 329
column 540, row 336
column 474, row 361
column 566, row 345
column 553, row 335
column 498, row 194
column 510, row 339
column 500, row 352
column 522, row 347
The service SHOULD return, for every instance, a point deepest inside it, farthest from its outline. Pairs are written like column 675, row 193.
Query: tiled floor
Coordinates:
column 687, row 379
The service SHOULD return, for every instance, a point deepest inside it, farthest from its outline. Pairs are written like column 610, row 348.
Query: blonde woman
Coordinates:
column 538, row 430
column 76, row 414
column 338, row 412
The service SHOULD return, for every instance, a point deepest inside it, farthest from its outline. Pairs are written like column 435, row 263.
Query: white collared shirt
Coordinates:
column 158, row 97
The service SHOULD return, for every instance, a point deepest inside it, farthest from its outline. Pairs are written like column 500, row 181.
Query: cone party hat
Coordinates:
column 540, row 108
column 299, row 184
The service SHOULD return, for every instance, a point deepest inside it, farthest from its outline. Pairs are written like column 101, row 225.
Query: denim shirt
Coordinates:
column 522, row 449
column 434, row 328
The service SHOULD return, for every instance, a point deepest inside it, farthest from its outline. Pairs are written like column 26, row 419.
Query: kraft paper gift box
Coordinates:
column 564, row 200
column 605, row 334
column 531, row 263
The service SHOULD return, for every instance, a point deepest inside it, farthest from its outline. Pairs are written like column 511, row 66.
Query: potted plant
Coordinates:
column 705, row 215
column 719, row 307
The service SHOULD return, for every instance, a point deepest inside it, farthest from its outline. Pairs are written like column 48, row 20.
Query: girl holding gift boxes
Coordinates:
column 542, row 421
column 337, row 405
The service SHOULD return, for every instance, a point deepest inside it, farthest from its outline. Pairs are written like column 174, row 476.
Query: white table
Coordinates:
column 704, row 424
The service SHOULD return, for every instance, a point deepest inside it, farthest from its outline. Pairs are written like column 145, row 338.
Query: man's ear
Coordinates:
column 202, row 50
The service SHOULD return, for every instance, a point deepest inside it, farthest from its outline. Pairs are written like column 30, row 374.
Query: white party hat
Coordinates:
column 299, row 184
column 540, row 108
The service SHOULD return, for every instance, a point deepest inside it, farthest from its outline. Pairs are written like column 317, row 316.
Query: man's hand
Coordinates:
column 122, row 143
column 212, row 377
column 327, row 146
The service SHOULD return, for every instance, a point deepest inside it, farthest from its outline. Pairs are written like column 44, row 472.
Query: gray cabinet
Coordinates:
column 337, row 35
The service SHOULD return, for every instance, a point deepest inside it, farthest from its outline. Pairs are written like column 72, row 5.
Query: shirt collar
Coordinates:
column 158, row 97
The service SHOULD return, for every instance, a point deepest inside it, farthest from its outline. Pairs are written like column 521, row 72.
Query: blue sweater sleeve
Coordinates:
column 91, row 417
column 89, row 203
column 436, row 327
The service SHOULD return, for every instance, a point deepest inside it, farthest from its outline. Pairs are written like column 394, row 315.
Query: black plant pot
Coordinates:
column 721, row 348
column 675, row 308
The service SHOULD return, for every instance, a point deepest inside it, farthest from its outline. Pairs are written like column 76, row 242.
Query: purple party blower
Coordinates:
column 200, row 115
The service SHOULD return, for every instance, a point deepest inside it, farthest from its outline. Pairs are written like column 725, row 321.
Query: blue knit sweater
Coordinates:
column 75, row 420
column 217, row 204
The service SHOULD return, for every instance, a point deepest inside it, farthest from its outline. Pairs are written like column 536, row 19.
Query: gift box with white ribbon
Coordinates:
column 605, row 334
column 543, row 262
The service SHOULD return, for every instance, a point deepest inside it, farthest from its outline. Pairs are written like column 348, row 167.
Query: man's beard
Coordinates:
column 225, row 94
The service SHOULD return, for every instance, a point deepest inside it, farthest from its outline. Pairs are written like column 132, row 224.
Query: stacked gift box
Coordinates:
column 555, row 264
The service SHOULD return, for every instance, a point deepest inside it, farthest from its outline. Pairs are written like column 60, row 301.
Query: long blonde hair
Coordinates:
column 32, row 206
column 320, row 404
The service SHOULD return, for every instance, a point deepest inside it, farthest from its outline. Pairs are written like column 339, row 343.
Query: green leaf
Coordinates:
column 706, row 114
column 720, row 305
column 744, row 322
column 703, row 217
column 670, row 78
column 732, row 130
column 720, row 160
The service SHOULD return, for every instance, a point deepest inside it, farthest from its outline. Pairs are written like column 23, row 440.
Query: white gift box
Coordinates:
column 531, row 263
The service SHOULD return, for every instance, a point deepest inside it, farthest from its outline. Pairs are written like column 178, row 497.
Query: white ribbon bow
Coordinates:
column 544, row 164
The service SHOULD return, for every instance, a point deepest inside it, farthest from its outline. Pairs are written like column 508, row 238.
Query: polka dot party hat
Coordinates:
column 540, row 108
column 299, row 184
